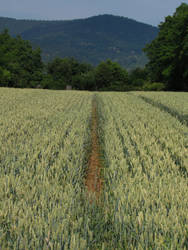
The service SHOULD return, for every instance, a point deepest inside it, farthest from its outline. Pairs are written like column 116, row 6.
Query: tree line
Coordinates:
column 21, row 65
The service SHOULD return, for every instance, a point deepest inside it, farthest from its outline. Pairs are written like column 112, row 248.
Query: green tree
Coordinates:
column 111, row 76
column 137, row 77
column 20, row 65
column 67, row 71
column 168, row 53
column 85, row 81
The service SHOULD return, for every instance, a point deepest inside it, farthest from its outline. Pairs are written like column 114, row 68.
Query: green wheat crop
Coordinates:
column 45, row 140
column 146, row 171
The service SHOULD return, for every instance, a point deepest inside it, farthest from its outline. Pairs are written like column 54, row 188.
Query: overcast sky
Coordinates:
column 147, row 11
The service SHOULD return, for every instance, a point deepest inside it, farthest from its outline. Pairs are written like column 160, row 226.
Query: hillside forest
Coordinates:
column 91, row 40
column 21, row 65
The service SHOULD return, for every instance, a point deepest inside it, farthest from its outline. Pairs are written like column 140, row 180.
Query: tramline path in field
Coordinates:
column 169, row 102
column 93, row 176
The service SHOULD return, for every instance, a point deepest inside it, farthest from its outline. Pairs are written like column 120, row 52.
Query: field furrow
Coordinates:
column 174, row 103
column 93, row 176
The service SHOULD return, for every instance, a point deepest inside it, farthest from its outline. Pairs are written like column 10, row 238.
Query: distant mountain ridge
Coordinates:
column 92, row 39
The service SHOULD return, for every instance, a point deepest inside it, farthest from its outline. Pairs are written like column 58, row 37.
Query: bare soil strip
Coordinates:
column 93, row 180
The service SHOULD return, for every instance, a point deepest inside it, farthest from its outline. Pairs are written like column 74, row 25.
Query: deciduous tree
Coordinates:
column 168, row 53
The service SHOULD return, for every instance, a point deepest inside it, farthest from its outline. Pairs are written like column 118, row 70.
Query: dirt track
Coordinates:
column 93, row 177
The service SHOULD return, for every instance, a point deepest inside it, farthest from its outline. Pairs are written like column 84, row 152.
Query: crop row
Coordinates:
column 43, row 138
column 174, row 103
column 146, row 187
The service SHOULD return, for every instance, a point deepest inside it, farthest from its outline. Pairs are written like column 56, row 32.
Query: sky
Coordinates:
column 146, row 11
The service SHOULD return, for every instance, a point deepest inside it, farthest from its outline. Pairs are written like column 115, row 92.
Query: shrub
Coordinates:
column 153, row 86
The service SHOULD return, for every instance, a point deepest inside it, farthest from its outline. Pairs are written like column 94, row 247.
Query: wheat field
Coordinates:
column 45, row 139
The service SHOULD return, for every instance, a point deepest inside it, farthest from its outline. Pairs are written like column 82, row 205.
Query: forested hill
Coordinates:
column 91, row 40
